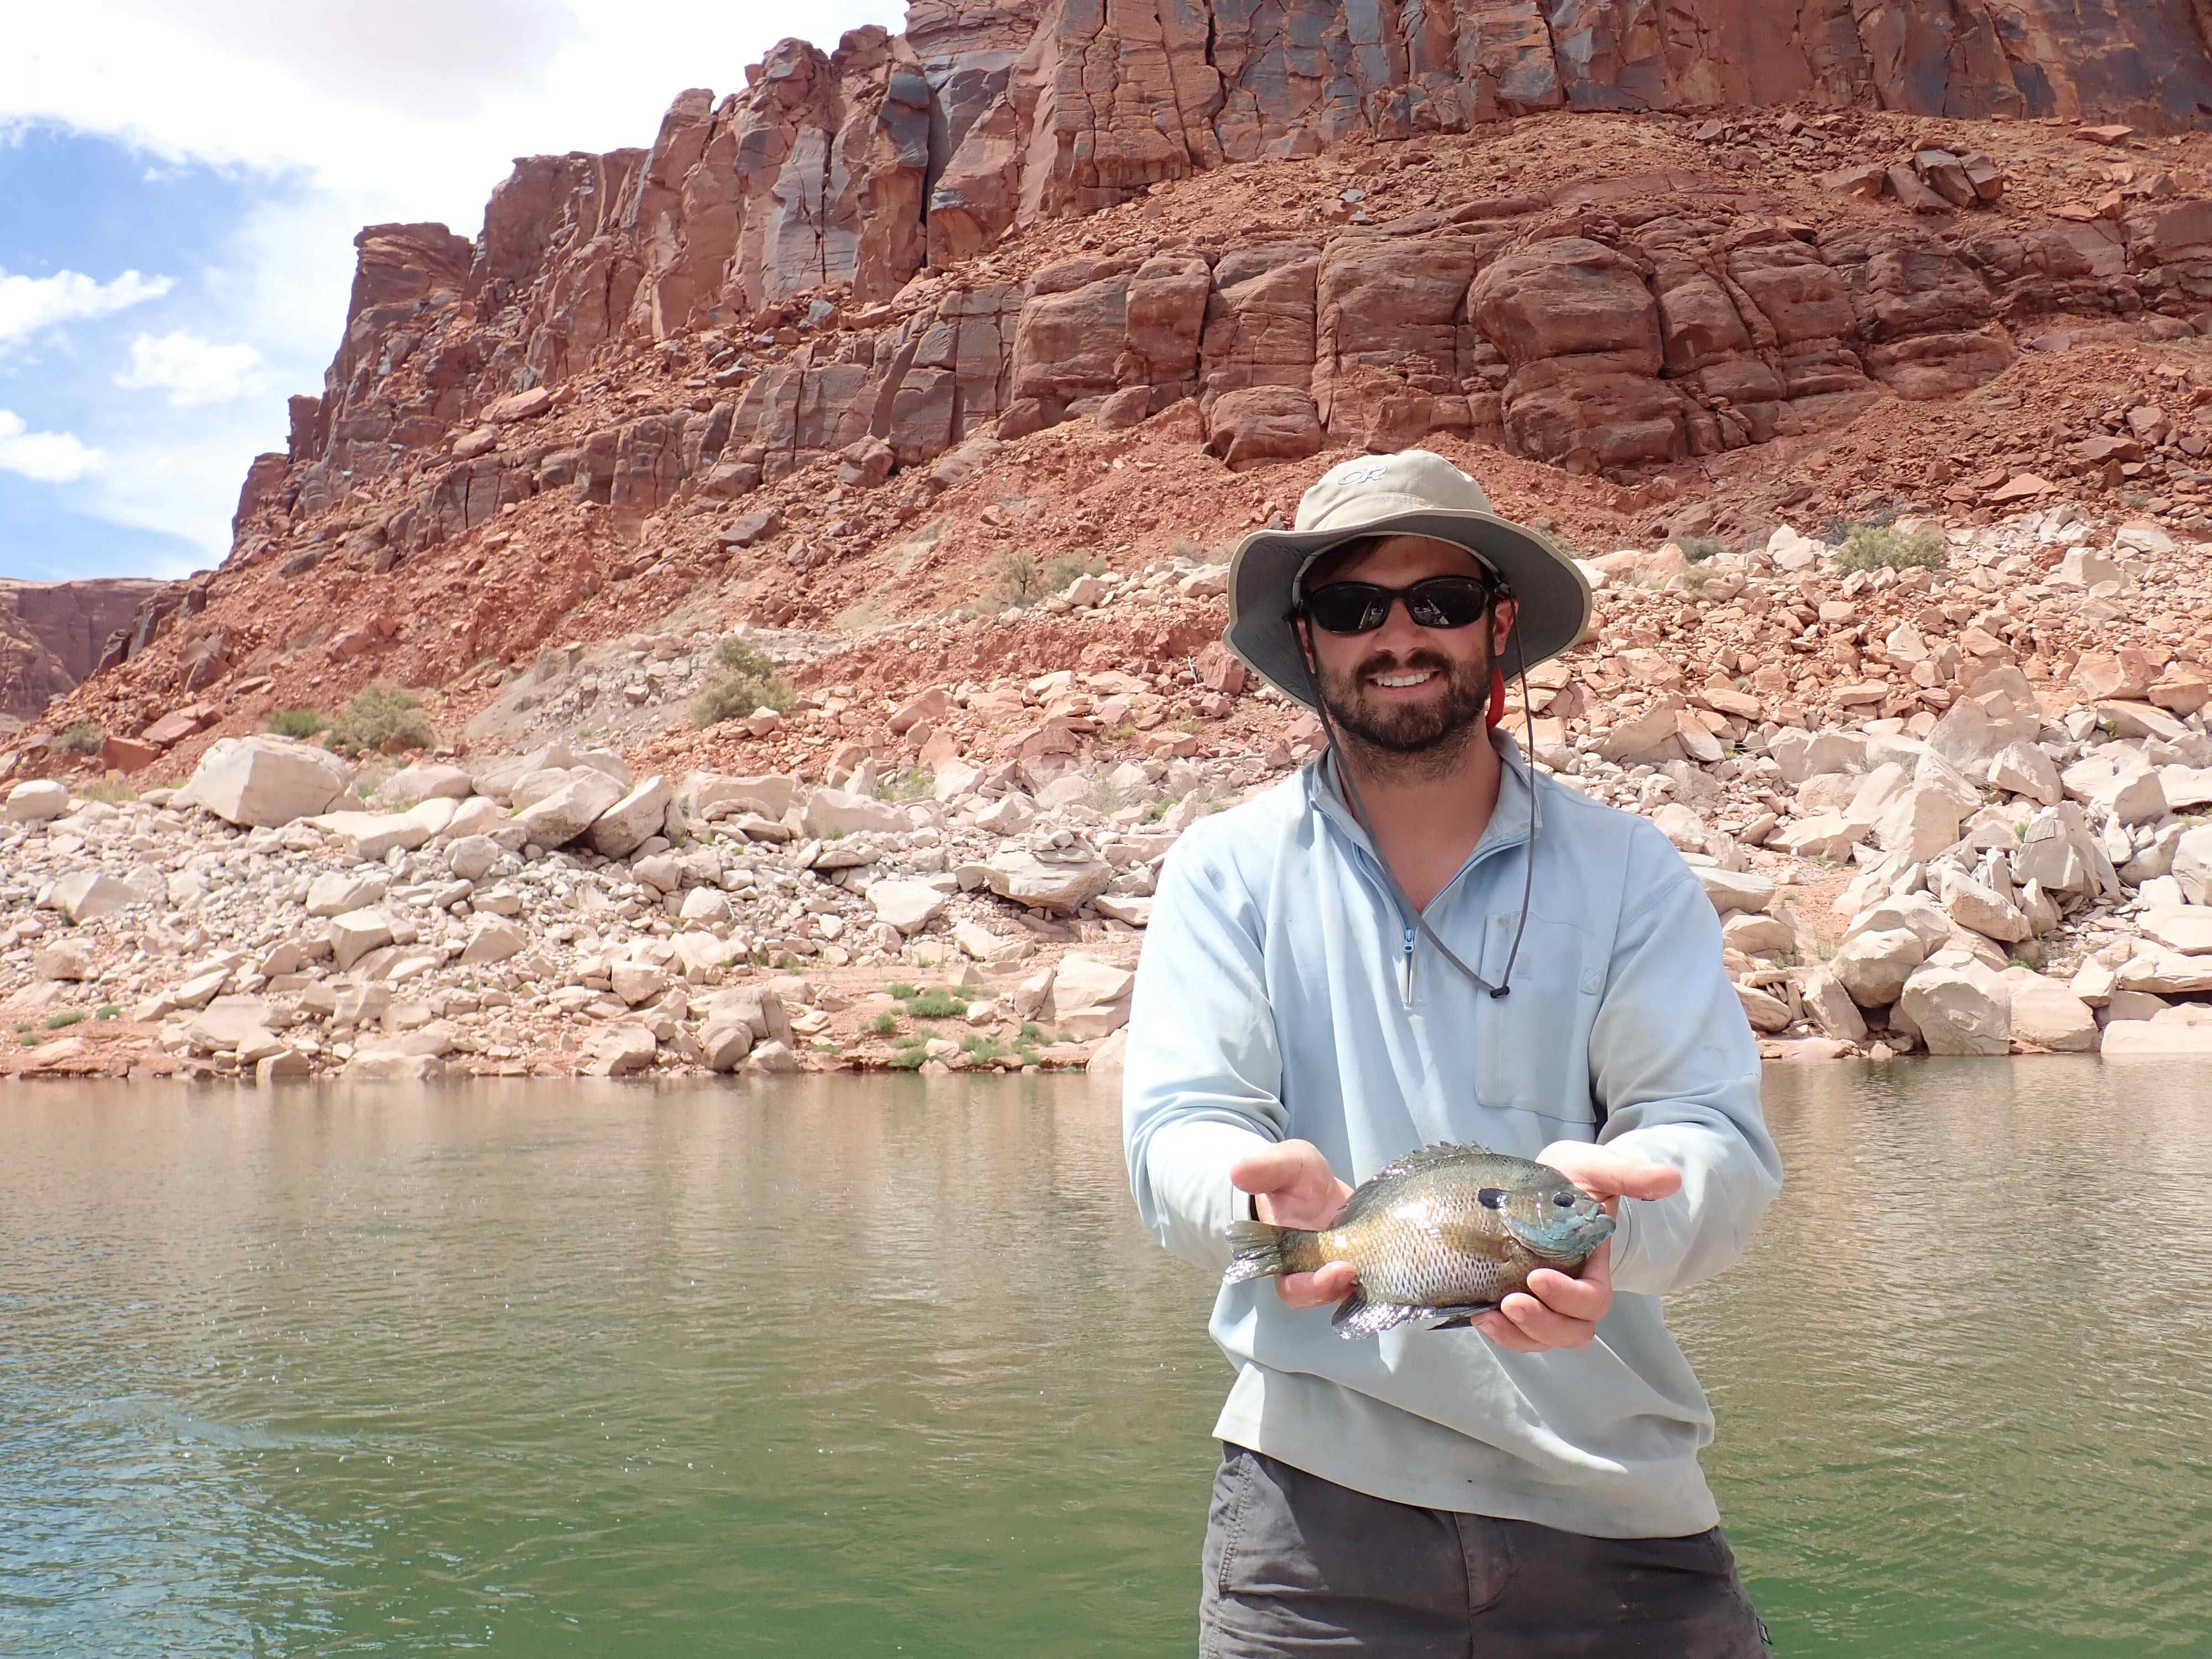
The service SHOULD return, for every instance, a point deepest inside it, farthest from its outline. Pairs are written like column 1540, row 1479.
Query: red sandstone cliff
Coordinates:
column 873, row 256
column 51, row 635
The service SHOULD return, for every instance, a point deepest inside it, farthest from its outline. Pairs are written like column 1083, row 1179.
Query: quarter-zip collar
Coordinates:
column 1513, row 817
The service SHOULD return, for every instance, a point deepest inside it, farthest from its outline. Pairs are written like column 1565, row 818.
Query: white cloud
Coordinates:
column 45, row 457
column 192, row 370
column 30, row 305
column 337, row 115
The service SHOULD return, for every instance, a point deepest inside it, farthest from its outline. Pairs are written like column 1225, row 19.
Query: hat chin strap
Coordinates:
column 1360, row 810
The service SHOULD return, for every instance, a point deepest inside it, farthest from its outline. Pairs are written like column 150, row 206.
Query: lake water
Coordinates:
column 885, row 1366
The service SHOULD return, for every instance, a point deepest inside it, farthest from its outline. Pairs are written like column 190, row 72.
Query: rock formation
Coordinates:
column 876, row 260
column 51, row 635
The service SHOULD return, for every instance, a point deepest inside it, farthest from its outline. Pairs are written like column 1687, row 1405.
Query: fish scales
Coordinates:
column 1436, row 1235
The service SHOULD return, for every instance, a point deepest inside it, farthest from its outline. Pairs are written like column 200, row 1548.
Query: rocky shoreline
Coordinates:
column 1931, row 815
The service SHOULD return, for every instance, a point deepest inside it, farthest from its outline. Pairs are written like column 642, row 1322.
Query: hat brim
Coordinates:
column 1553, row 597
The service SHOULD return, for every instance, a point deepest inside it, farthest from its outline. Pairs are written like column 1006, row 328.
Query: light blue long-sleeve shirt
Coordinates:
column 1284, row 994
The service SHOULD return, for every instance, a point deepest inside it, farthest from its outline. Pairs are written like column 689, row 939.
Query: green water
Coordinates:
column 887, row 1367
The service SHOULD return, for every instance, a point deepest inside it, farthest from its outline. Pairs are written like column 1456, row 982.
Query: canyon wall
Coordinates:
column 830, row 237
column 51, row 635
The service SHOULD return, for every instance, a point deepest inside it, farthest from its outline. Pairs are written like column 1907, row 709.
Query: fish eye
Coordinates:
column 1564, row 1201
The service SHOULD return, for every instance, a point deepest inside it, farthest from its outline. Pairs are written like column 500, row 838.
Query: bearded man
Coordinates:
column 1417, row 938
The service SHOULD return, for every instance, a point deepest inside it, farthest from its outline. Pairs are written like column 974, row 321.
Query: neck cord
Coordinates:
column 1359, row 812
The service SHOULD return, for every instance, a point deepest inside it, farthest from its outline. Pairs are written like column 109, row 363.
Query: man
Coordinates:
column 1419, row 939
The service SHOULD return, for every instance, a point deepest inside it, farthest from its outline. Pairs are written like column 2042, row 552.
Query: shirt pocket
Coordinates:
column 1533, row 1044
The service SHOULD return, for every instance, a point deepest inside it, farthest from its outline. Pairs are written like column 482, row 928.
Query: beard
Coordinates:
column 1420, row 737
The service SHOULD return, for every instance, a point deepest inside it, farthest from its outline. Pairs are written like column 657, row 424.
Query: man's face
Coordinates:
column 1403, row 688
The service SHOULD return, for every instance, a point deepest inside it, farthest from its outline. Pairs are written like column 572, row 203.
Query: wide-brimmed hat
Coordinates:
column 1415, row 492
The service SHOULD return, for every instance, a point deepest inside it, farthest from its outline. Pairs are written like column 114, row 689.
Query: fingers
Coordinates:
column 1558, row 1310
column 1604, row 1173
column 1331, row 1282
column 1585, row 1296
column 1507, row 1334
column 1292, row 1184
column 1285, row 1164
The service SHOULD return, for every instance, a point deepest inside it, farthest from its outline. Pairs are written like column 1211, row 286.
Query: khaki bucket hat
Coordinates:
column 1415, row 492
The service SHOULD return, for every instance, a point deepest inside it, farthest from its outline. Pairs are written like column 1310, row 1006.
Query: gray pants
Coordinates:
column 1297, row 1565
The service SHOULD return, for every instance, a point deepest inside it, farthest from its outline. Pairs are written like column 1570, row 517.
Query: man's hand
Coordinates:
column 1561, row 1311
column 1292, row 1187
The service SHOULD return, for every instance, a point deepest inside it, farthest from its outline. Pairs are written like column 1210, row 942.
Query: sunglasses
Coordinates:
column 1362, row 607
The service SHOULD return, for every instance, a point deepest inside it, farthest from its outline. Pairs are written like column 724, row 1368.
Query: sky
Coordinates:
column 179, row 187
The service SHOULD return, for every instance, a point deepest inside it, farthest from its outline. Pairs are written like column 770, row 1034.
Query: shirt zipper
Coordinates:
column 1479, row 856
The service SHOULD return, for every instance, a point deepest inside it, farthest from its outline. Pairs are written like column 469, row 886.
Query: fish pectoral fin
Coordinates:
column 1356, row 1316
column 1458, row 1318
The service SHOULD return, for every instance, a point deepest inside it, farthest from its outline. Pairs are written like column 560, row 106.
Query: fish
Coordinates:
column 1437, row 1238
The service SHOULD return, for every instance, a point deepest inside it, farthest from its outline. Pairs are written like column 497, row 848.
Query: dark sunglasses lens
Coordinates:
column 1348, row 607
column 1449, row 601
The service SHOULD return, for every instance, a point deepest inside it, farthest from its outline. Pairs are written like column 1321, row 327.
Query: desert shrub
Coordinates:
column 900, row 992
column 84, row 737
column 744, row 680
column 380, row 718
column 1881, row 547
column 62, row 1022
column 299, row 722
column 1107, row 797
column 984, row 1048
column 936, row 1004
column 1016, row 581
column 908, row 1060
column 1698, row 548
column 915, row 783
column 884, row 1023
column 1059, row 572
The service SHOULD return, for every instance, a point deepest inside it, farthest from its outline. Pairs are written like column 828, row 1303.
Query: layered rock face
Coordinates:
column 824, row 238
column 51, row 635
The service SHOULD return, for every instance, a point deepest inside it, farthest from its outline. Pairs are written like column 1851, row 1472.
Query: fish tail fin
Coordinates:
column 1262, row 1251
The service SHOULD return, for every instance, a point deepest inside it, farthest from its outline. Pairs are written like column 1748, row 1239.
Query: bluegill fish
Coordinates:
column 1439, row 1236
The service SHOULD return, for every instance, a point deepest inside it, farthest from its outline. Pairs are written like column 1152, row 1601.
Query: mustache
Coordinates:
column 1389, row 662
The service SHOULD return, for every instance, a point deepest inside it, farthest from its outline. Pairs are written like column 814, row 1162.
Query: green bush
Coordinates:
column 1017, row 582
column 915, row 783
column 1881, row 547
column 908, row 1060
column 935, row 1005
column 901, row 993
column 984, row 1048
column 84, row 737
column 884, row 1023
column 1698, row 548
column 299, row 722
column 380, row 718
column 109, row 1012
column 60, row 1021
column 744, row 680
column 1063, row 570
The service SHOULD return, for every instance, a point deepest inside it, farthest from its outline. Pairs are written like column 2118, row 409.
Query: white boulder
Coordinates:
column 558, row 818
column 37, row 801
column 260, row 783
column 1959, row 1005
column 1090, row 998
column 909, row 906
column 627, row 825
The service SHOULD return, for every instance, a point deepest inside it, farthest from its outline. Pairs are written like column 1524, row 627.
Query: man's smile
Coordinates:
column 1402, row 678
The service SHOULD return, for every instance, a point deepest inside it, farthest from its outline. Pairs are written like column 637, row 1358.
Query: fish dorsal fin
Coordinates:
column 1374, row 1191
column 1441, row 1156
